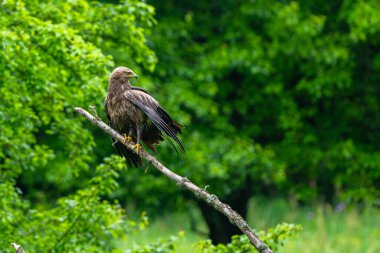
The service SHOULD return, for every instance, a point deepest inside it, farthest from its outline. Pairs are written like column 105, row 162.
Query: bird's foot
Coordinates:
column 127, row 138
column 137, row 148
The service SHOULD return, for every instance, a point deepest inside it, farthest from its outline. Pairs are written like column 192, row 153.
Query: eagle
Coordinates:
column 135, row 114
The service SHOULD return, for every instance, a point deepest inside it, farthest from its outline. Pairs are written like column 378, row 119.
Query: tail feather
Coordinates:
column 177, row 127
column 132, row 159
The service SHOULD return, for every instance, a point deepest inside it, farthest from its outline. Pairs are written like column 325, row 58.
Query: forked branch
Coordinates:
column 211, row 199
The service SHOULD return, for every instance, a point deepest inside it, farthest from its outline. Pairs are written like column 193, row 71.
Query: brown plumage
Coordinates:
column 133, row 112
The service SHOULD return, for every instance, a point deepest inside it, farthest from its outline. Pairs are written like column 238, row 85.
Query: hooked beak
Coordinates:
column 133, row 76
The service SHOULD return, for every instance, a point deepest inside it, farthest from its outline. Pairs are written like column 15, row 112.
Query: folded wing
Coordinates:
column 155, row 113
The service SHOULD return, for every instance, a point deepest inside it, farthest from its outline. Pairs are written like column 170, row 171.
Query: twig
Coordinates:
column 211, row 199
column 93, row 109
column 17, row 248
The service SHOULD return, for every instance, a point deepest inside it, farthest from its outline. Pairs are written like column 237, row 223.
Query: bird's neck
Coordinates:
column 125, row 86
column 119, row 86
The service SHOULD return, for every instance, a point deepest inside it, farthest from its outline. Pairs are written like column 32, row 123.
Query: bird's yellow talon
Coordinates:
column 127, row 138
column 137, row 148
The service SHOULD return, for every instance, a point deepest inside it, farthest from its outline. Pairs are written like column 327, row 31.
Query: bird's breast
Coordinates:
column 122, row 111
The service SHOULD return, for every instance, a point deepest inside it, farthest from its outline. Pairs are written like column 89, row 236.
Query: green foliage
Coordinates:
column 50, row 64
column 163, row 246
column 79, row 222
column 325, row 228
column 51, row 61
column 273, row 238
column 278, row 98
column 364, row 22
column 272, row 95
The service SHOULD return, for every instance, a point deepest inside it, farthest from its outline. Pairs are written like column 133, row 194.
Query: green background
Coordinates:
column 280, row 103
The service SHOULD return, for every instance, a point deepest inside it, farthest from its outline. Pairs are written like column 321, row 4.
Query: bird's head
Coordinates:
column 122, row 74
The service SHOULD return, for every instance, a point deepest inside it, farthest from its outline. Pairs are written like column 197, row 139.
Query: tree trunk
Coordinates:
column 220, row 228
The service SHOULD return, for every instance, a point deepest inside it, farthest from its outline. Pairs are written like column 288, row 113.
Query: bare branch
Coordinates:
column 17, row 248
column 211, row 199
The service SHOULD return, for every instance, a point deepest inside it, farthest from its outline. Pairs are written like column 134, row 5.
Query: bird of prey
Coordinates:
column 133, row 112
